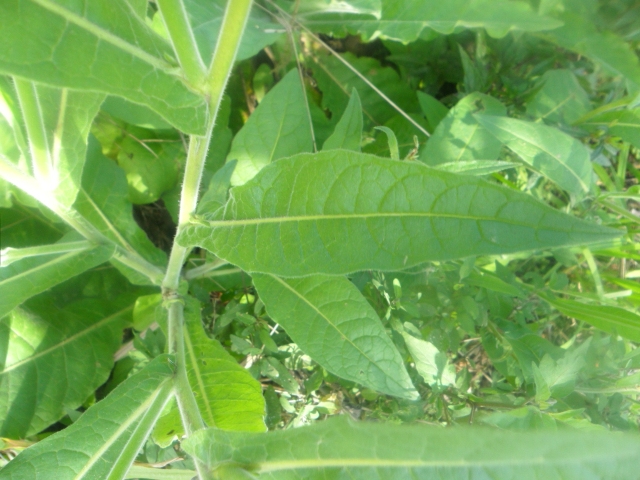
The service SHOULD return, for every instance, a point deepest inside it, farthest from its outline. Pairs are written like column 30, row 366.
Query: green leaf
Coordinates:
column 338, row 212
column 105, row 440
column 218, row 190
column 206, row 18
column 278, row 128
column 348, row 131
column 605, row 49
column 433, row 109
column 133, row 113
column 459, row 137
column 476, row 167
column 559, row 157
column 560, row 375
column 339, row 448
column 560, row 98
column 623, row 123
column 103, row 201
column 614, row 320
column 330, row 320
column 406, row 20
column 28, row 277
column 228, row 396
column 54, row 358
column 72, row 45
column 392, row 141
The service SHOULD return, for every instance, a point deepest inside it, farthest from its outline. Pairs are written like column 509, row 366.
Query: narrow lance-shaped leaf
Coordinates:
column 559, row 157
column 278, row 128
column 107, row 437
column 228, row 396
column 330, row 320
column 338, row 448
column 75, row 45
column 348, row 131
column 28, row 277
column 55, row 358
column 337, row 212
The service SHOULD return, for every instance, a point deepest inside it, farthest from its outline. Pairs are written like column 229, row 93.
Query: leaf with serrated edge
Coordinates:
column 76, row 44
column 28, row 277
column 338, row 212
column 348, row 131
column 55, row 358
column 228, row 396
column 330, row 320
column 106, row 438
column 559, row 157
column 278, row 128
column 340, row 448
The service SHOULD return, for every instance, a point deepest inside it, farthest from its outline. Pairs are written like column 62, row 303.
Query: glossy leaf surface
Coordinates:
column 278, row 128
column 344, row 449
column 556, row 155
column 94, row 445
column 330, row 320
column 76, row 45
column 337, row 212
column 54, row 358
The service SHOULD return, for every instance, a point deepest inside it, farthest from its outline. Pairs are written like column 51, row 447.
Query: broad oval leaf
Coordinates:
column 77, row 44
column 338, row 212
column 228, row 396
column 106, row 438
column 278, row 128
column 28, row 277
column 560, row 98
column 330, row 320
column 342, row 449
column 559, row 157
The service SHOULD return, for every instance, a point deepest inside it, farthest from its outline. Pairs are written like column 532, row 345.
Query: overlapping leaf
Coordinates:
column 560, row 98
column 278, row 128
column 76, row 45
column 348, row 131
column 337, row 212
column 106, row 439
column 338, row 448
column 556, row 155
column 330, row 320
column 54, row 358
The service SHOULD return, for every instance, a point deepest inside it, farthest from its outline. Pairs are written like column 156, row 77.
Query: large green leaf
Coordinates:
column 554, row 154
column 460, row 138
column 228, row 396
column 341, row 449
column 330, row 320
column 560, row 98
column 103, row 201
column 337, row 212
column 348, row 131
column 77, row 44
column 28, row 277
column 621, row 122
column 103, row 443
column 278, row 128
column 54, row 358
column 406, row 20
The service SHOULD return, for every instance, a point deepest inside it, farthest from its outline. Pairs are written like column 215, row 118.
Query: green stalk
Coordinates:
column 38, row 144
column 184, row 43
column 26, row 183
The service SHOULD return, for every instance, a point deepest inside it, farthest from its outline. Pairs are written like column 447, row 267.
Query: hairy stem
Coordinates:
column 184, row 44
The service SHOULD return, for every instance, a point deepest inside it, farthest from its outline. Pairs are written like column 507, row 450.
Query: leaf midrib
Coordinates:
column 31, row 271
column 103, row 34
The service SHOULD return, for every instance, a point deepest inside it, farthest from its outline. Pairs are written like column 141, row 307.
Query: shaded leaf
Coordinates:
column 337, row 212
column 348, row 131
column 278, row 128
column 330, row 320
column 459, row 137
column 560, row 98
column 54, row 358
column 105, row 440
column 623, row 123
column 433, row 109
column 559, row 157
column 88, row 40
column 339, row 448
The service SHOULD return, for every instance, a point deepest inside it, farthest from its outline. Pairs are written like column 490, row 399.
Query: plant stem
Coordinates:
column 202, row 270
column 184, row 43
column 38, row 144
